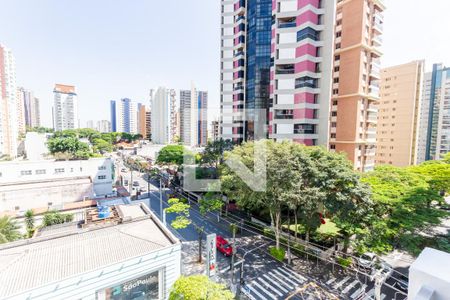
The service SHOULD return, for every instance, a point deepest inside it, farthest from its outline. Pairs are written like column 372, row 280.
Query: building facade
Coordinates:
column 20, row 110
column 356, row 80
column 112, row 109
column 103, row 126
column 399, row 114
column 214, row 133
column 125, row 116
column 65, row 108
column 90, row 124
column 129, row 254
column 8, row 104
column 193, row 117
column 434, row 134
column 164, row 124
column 48, row 183
column 28, row 108
column 144, row 121
column 276, row 70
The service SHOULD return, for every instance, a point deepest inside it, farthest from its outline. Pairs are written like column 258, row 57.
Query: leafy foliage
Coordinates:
column 277, row 253
column 182, row 209
column 171, row 154
column 9, row 230
column 29, row 222
column 199, row 287
column 54, row 217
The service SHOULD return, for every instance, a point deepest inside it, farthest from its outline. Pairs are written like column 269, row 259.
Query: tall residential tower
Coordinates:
column 124, row 116
column 8, row 103
column 65, row 108
column 356, row 80
column 163, row 115
column 398, row 114
column 193, row 117
column 434, row 134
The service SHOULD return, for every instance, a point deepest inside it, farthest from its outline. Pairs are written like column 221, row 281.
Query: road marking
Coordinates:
column 358, row 292
column 295, row 274
column 297, row 277
column 269, row 286
column 339, row 284
column 256, row 292
column 369, row 294
column 276, row 283
column 284, row 278
column 264, row 290
column 291, row 276
column 331, row 281
column 349, row 287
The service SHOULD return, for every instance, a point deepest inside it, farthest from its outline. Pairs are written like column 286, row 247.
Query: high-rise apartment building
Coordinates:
column 356, row 80
column 8, row 103
column 103, row 126
column 276, row 67
column 112, row 109
column 20, row 110
column 90, row 124
column 214, row 133
column 163, row 115
column 124, row 116
column 193, row 117
column 28, row 108
column 434, row 133
column 144, row 120
column 65, row 108
column 399, row 114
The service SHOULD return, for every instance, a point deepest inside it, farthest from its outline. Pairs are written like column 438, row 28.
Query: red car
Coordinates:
column 223, row 246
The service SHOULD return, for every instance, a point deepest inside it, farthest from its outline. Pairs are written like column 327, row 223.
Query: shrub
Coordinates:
column 54, row 217
column 278, row 254
column 344, row 262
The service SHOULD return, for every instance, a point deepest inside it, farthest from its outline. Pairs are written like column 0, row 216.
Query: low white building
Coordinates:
column 429, row 276
column 138, row 258
column 48, row 183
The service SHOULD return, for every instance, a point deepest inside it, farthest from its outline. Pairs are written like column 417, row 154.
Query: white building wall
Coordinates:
column 163, row 115
column 100, row 170
column 65, row 111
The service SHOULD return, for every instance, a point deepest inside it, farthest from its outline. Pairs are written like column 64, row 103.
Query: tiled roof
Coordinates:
column 26, row 266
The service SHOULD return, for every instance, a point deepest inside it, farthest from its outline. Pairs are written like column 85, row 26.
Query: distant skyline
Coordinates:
column 111, row 49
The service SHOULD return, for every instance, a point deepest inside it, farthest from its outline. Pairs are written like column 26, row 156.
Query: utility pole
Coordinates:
column 233, row 252
column 160, row 196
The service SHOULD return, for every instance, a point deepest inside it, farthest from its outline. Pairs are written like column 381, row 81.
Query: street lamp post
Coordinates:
column 160, row 196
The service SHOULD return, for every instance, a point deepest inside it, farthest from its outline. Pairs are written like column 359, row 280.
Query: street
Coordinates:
column 263, row 276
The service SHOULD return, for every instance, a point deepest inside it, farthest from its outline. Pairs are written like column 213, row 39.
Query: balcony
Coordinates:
column 377, row 41
column 374, row 91
column 287, row 23
column 378, row 26
column 285, row 69
column 372, row 108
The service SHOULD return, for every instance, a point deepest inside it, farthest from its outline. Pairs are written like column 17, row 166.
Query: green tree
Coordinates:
column 199, row 287
column 214, row 151
column 29, row 222
column 172, row 154
column 9, row 230
column 54, row 217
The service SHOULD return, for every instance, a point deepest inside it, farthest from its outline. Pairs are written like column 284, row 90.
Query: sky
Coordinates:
column 112, row 49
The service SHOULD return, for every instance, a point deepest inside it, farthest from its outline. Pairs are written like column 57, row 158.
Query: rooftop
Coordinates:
column 69, row 250
column 63, row 88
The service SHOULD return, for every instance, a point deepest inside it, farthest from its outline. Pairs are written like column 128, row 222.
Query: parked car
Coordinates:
column 401, row 282
column 143, row 190
column 367, row 260
column 135, row 183
column 123, row 170
column 223, row 246
column 386, row 270
column 125, row 182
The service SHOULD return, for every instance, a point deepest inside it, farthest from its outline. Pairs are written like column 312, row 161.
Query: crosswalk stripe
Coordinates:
column 256, row 292
column 358, row 292
column 285, row 278
column 349, row 287
column 267, row 285
column 283, row 281
column 295, row 274
column 291, row 275
column 331, row 281
column 339, row 284
column 276, row 283
column 264, row 290
column 369, row 294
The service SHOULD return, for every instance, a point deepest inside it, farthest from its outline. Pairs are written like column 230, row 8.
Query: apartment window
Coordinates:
column 49, row 203
column 337, row 57
column 335, row 102
column 40, row 172
column 102, row 168
column 59, row 170
column 338, row 34
column 308, row 32
column 336, row 80
column 17, row 208
column 101, row 177
column 336, row 69
column 25, row 172
column 333, row 135
column 338, row 46
column 339, row 22
column 334, row 114
column 333, row 124
column 333, row 147
column 335, row 91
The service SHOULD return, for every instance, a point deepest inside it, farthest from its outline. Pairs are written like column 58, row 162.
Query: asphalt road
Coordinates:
column 264, row 277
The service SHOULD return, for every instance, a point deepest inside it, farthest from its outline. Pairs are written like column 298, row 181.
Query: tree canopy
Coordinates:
column 199, row 287
column 9, row 230
column 172, row 154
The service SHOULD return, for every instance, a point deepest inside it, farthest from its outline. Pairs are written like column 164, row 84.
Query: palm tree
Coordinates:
column 9, row 230
column 29, row 222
